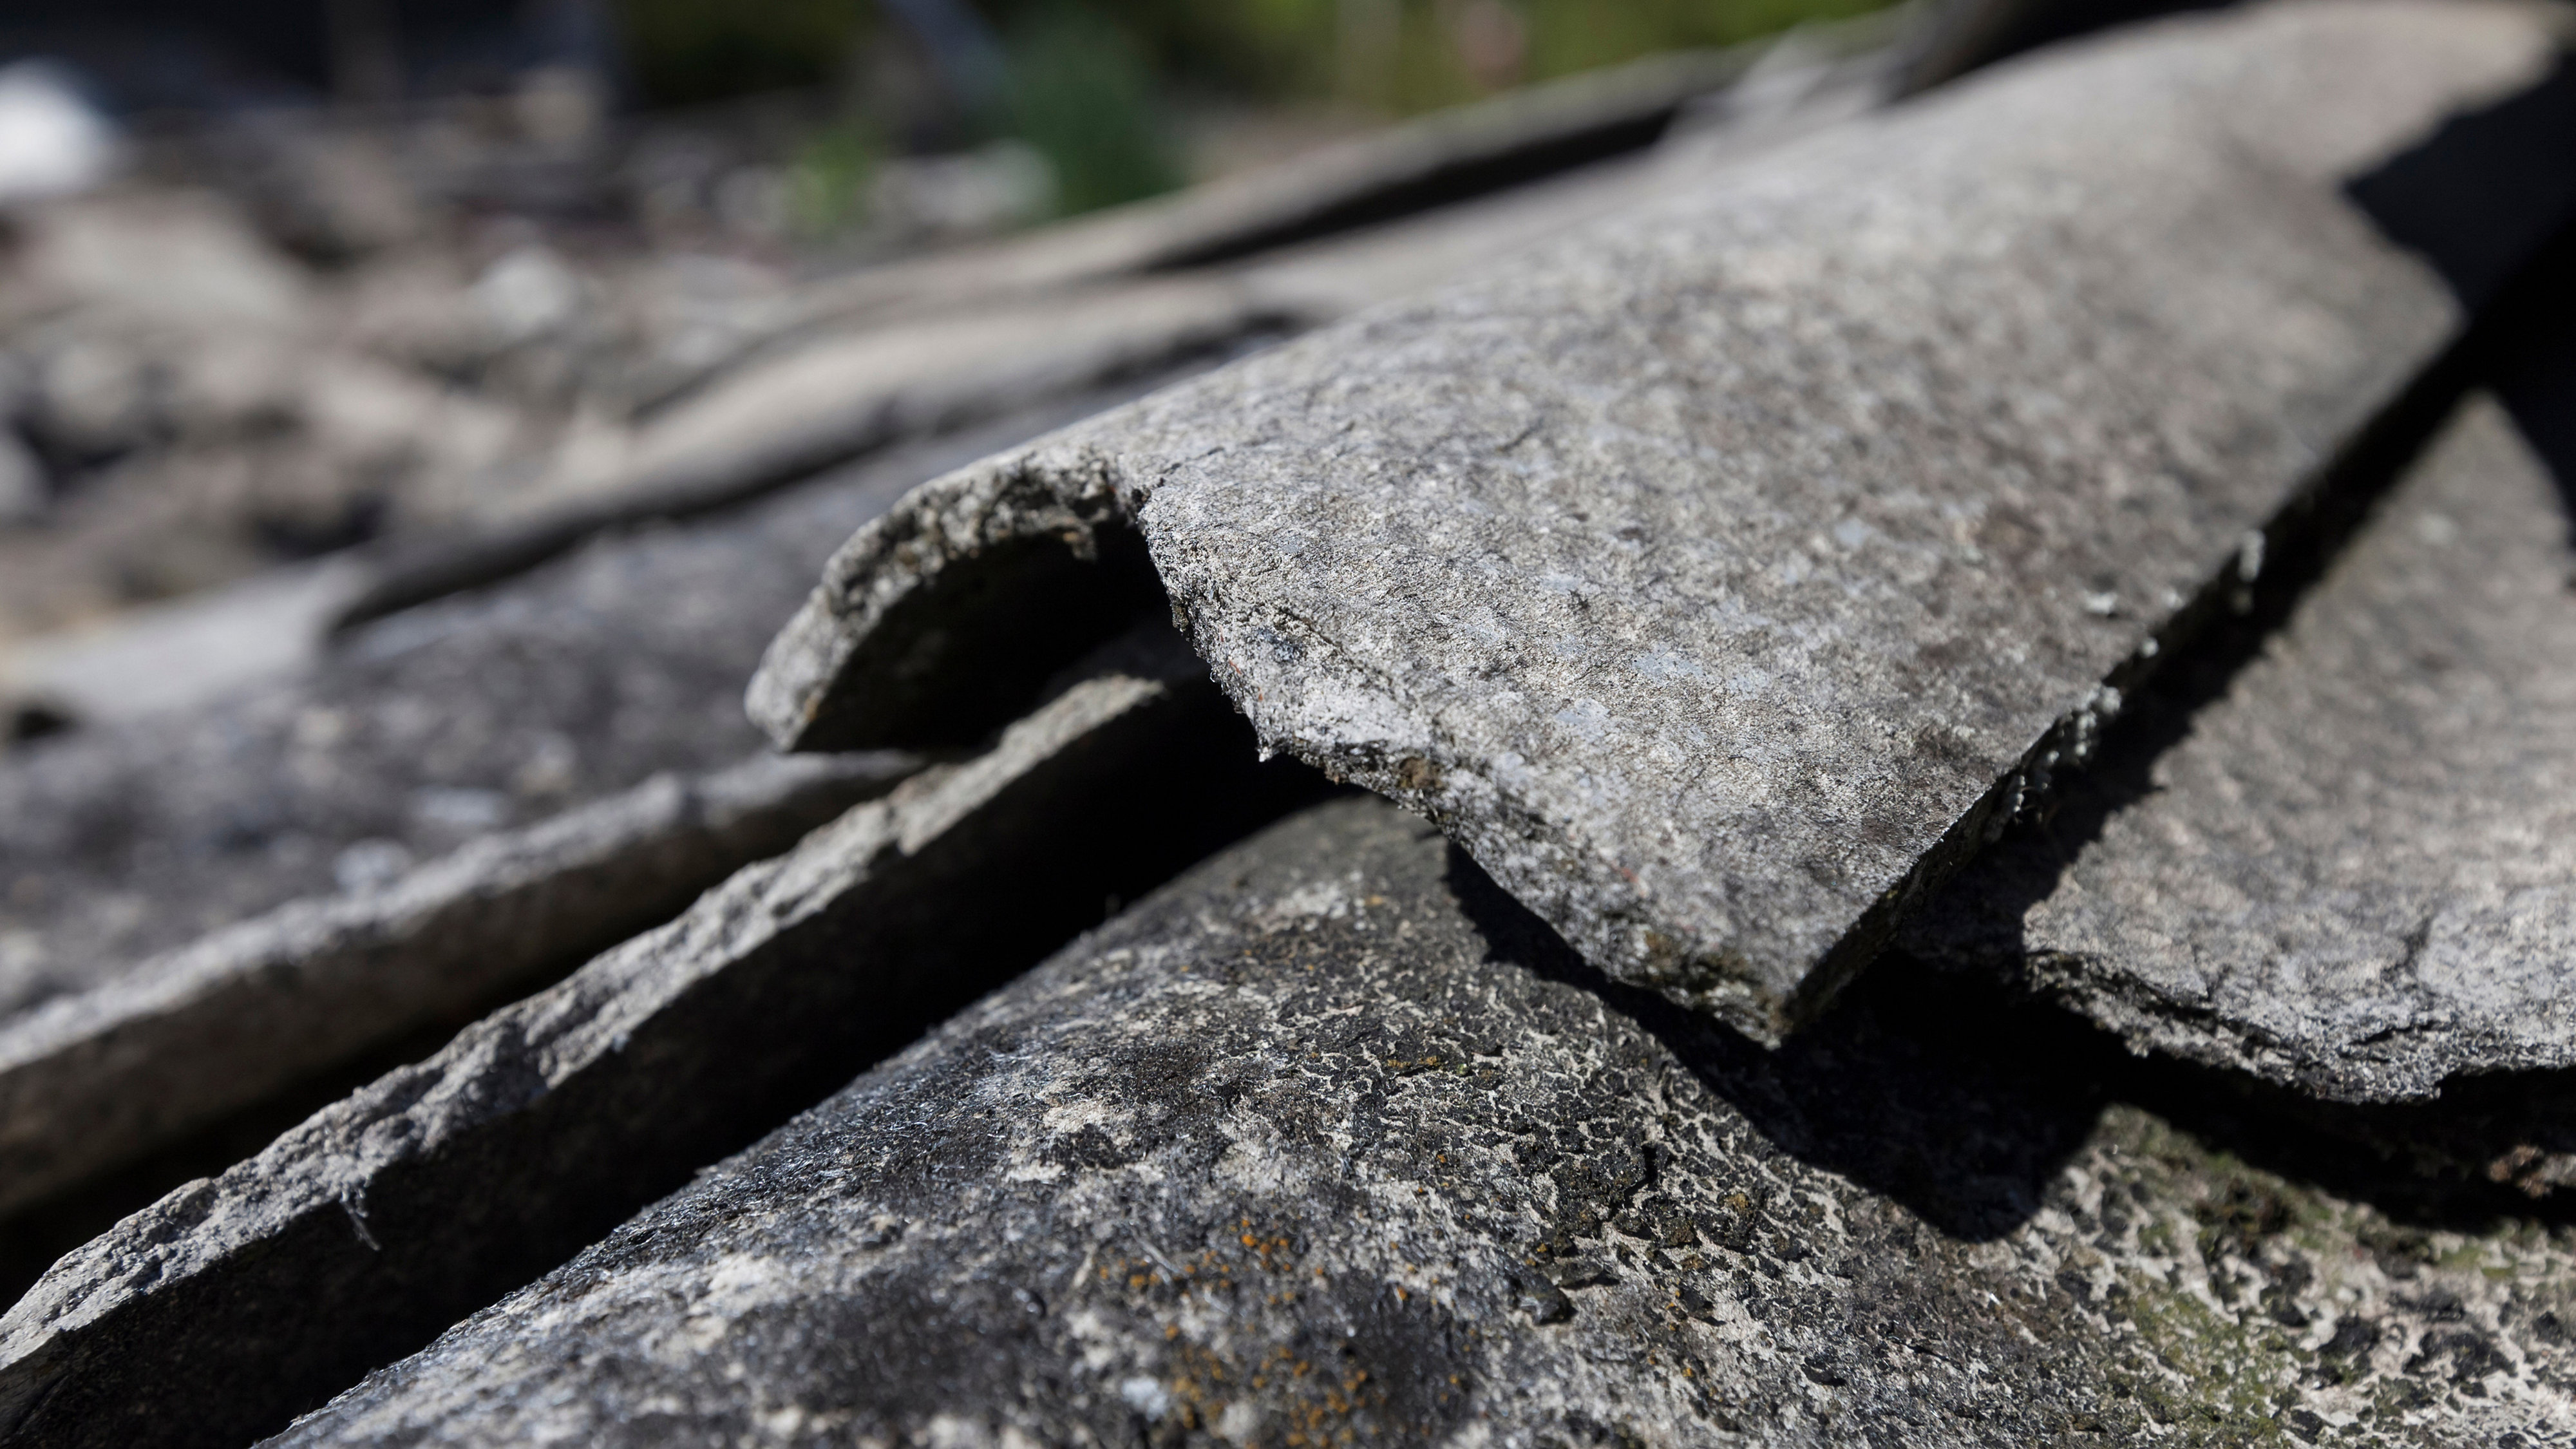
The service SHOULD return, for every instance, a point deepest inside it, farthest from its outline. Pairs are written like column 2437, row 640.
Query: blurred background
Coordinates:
column 281, row 277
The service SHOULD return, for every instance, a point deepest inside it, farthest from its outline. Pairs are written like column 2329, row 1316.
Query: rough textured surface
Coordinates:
column 1330, row 1143
column 1717, row 575
column 237, row 1302
column 2353, row 874
column 93, row 1080
column 420, row 733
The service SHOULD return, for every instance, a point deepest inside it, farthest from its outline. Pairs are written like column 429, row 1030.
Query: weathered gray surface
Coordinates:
column 2357, row 873
column 237, row 1302
column 1717, row 574
column 1330, row 1143
column 93, row 1080
column 420, row 733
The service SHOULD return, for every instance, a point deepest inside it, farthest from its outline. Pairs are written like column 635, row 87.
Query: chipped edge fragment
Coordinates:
column 894, row 604
column 882, row 597
column 585, row 1067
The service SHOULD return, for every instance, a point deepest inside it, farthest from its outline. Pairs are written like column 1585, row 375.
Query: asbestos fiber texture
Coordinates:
column 92, row 1080
column 1714, row 574
column 419, row 734
column 1331, row 1143
column 237, row 1302
column 2354, row 873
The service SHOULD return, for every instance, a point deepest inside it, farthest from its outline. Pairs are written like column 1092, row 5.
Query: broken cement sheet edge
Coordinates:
column 1329, row 1139
column 1720, row 574
column 236, row 1302
column 91, row 1080
column 2352, row 874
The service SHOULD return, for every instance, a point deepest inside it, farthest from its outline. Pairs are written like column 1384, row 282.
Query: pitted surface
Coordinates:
column 2352, row 875
column 1714, row 574
column 1330, row 1143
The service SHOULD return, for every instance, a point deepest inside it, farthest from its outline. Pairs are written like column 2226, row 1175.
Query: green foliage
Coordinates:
column 828, row 180
column 1399, row 55
column 1405, row 56
column 1570, row 35
column 1082, row 94
column 682, row 52
column 1263, row 48
column 1088, row 79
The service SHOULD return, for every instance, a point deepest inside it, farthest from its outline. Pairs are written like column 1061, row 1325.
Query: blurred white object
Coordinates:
column 52, row 141
column 999, row 185
column 181, row 654
column 561, row 106
column 370, row 865
column 164, row 257
column 527, row 293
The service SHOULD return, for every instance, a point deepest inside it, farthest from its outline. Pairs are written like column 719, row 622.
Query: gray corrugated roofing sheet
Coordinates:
column 2357, row 870
column 1328, row 1138
column 236, row 1302
column 1719, row 575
